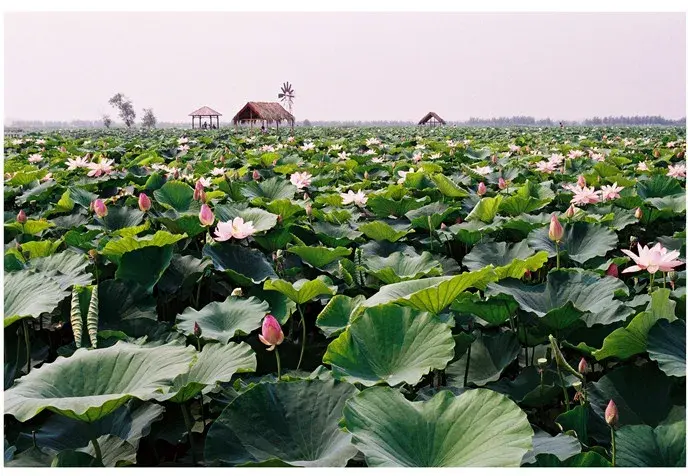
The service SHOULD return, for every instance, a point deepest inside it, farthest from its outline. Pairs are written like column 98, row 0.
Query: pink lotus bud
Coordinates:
column 305, row 196
column 482, row 189
column 583, row 366
column 581, row 181
column 175, row 175
column 613, row 270
column 443, row 226
column 556, row 231
column 144, row 202
column 494, row 159
column 206, row 215
column 638, row 213
column 611, row 414
column 256, row 175
column 527, row 274
column 21, row 217
column 199, row 193
column 570, row 211
column 271, row 333
column 197, row 330
column 501, row 184
column 309, row 209
column 100, row 208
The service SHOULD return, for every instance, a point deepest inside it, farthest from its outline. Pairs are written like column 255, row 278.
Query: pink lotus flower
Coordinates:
column 271, row 332
column 556, row 231
column 77, row 163
column 574, row 154
column 556, row 159
column 482, row 189
column 677, row 171
column 100, row 208
column 144, row 202
column 581, row 181
column 21, row 217
column 597, row 157
column 217, row 171
column 236, row 228
column 357, row 198
column 35, row 158
column 103, row 167
column 301, row 179
column 585, row 196
column 612, row 271
column 610, row 192
column 570, row 211
column 611, row 414
column 199, row 192
column 256, row 175
column 652, row 259
column 583, row 366
column 206, row 182
column 501, row 183
column 545, row 167
column 206, row 216
column 642, row 166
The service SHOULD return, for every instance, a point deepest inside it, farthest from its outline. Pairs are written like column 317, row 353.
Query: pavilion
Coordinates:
column 205, row 111
column 266, row 112
column 432, row 119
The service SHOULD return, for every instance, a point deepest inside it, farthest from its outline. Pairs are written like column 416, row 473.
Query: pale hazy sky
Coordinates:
column 347, row 66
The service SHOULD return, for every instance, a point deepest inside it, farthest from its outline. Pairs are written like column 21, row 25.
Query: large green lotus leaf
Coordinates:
column 584, row 289
column 666, row 345
column 281, row 307
column 40, row 249
column 30, row 294
column 333, row 235
column 560, row 446
column 524, row 224
column 385, row 207
column 188, row 224
column 271, row 189
column 582, row 241
column 81, row 196
column 402, row 267
column 478, row 428
column 319, row 256
column 182, row 274
column 641, row 394
column 303, row 290
column 114, row 450
column 175, row 195
column 119, row 218
column 526, row 389
column 262, row 220
column 658, row 186
column 495, row 310
column 434, row 213
column 589, row 459
column 447, row 186
column 675, row 203
column 221, row 321
column 294, row 423
column 244, row 265
column 380, row 230
column 145, row 266
column 628, row 341
column 31, row 458
column 647, row 447
column 116, row 248
column 431, row 294
column 125, row 307
column 390, row 344
column 486, row 210
column 67, row 268
column 93, row 383
column 215, row 363
column 528, row 198
column 490, row 355
column 284, row 208
column 510, row 261
column 334, row 318
column 31, row 227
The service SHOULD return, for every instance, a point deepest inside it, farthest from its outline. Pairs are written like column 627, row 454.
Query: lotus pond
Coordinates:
column 345, row 297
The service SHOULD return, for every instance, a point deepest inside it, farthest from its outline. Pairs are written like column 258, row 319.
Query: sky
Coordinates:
column 347, row 66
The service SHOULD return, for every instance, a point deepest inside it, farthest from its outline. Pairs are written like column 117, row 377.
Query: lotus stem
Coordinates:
column 189, row 426
column 279, row 364
column 652, row 282
column 430, row 231
column 99, row 453
column 664, row 280
column 27, row 342
column 563, row 387
column 556, row 244
column 198, row 294
column 611, row 428
column 468, row 363
column 303, row 336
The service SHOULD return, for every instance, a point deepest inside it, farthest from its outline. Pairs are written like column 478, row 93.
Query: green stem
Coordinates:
column 27, row 342
column 99, row 453
column 556, row 244
column 613, row 447
column 563, row 387
column 664, row 280
column 198, row 293
column 279, row 364
column 189, row 426
column 303, row 336
column 468, row 363
column 652, row 282
column 430, row 231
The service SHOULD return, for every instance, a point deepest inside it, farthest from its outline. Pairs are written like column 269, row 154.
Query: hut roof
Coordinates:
column 268, row 111
column 430, row 115
column 205, row 111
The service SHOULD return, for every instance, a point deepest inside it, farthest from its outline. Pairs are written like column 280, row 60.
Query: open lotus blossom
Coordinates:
column 451, row 143
column 377, row 160
column 556, row 159
column 301, row 179
column 182, row 140
column 76, row 163
column 652, row 259
column 183, row 148
column 545, row 167
column 403, row 173
column 335, row 147
column 597, row 157
column 342, row 155
column 677, row 171
column 236, row 228
column 372, row 141
column 585, row 195
column 40, row 141
column 417, row 156
column 483, row 170
column 206, row 182
column 102, row 167
column 217, row 171
column 34, row 158
column 610, row 192
column 271, row 333
column 575, row 154
column 642, row 166
column 514, row 148
column 357, row 198
column 17, row 142
column 435, row 156
column 308, row 146
column 206, row 216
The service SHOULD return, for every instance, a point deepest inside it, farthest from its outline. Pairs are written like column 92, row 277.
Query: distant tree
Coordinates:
column 107, row 122
column 148, row 119
column 306, row 123
column 126, row 108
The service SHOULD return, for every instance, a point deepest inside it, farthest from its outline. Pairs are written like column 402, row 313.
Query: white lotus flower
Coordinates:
column 217, row 171
column 483, row 170
column 301, row 179
column 642, row 166
column 35, row 158
column 403, row 173
column 77, row 163
column 357, row 198
column 308, row 146
column 677, row 171
column 236, row 228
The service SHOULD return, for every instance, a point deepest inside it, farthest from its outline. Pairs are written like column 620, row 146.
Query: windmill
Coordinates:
column 287, row 96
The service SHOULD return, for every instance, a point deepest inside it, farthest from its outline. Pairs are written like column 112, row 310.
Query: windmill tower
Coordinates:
column 287, row 96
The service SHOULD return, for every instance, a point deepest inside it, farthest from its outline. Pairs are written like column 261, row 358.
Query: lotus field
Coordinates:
column 345, row 297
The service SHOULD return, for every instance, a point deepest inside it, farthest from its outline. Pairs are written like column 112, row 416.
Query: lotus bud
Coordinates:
column 93, row 254
column 613, row 270
column 256, row 175
column 271, row 332
column 482, row 189
column 365, row 175
column 556, row 231
column 197, row 330
column 144, row 202
column 581, row 181
column 611, row 414
column 199, row 192
column 309, row 209
column 527, row 274
column 206, row 215
column 583, row 366
column 175, row 175
column 638, row 213
column 306, row 197
column 656, row 153
column 237, row 292
column 100, row 208
column 501, row 184
column 443, row 226
column 542, row 363
column 681, row 154
column 279, row 218
column 21, row 217
column 570, row 211
column 494, row 159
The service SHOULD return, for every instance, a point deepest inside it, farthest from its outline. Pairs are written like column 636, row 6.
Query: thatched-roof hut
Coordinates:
column 432, row 119
column 266, row 112
column 205, row 111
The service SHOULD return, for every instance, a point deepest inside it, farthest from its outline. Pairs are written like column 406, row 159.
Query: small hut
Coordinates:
column 432, row 119
column 265, row 112
column 205, row 111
